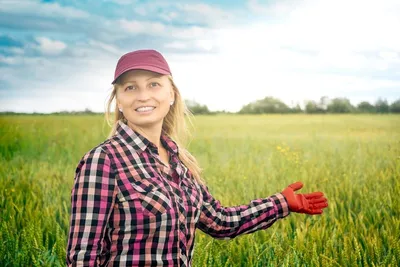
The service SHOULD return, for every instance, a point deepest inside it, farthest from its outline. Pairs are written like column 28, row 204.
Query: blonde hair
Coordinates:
column 174, row 126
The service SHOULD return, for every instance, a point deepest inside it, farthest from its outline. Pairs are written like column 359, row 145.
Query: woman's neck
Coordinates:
column 153, row 134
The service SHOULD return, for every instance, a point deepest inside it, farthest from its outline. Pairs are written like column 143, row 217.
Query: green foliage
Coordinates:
column 297, row 109
column 312, row 107
column 266, row 105
column 382, row 106
column 340, row 105
column 353, row 159
column 366, row 107
column 196, row 108
column 395, row 106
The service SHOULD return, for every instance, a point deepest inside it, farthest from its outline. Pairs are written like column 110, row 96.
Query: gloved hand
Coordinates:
column 312, row 203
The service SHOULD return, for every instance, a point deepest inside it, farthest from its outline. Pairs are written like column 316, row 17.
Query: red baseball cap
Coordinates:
column 151, row 60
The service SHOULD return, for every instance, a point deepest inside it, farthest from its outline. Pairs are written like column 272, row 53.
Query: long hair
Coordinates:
column 174, row 126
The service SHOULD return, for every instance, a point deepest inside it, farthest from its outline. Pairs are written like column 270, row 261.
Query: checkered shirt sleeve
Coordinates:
column 228, row 222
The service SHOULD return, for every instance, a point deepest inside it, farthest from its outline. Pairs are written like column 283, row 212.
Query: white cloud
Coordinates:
column 69, row 87
column 122, row 2
column 354, row 26
column 203, row 13
column 140, row 10
column 188, row 12
column 169, row 16
column 17, row 50
column 390, row 56
column 191, row 33
column 159, row 29
column 258, row 8
column 205, row 44
column 177, row 45
column 62, row 101
column 273, row 9
column 186, row 38
column 50, row 47
column 8, row 60
column 318, row 35
column 138, row 27
column 106, row 47
column 44, row 9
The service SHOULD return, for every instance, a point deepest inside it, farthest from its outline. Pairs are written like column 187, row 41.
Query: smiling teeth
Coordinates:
column 142, row 109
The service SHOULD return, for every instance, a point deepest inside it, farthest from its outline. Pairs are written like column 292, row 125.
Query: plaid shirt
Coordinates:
column 129, row 209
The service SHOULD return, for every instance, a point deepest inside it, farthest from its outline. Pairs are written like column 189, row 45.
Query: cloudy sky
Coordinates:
column 61, row 55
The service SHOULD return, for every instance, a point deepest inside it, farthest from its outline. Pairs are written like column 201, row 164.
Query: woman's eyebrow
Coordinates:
column 133, row 81
column 130, row 81
column 155, row 76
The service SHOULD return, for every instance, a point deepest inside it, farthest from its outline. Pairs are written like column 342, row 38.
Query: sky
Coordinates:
column 61, row 55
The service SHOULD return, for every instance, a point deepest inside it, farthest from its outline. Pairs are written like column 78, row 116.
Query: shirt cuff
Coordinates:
column 281, row 206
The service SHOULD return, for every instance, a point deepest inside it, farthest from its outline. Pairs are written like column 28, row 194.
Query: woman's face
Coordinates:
column 144, row 98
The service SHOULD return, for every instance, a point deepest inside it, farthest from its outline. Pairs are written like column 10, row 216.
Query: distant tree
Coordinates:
column 266, row 105
column 395, row 106
column 312, row 107
column 324, row 103
column 222, row 112
column 196, row 108
column 340, row 105
column 296, row 109
column 366, row 107
column 382, row 106
column 88, row 111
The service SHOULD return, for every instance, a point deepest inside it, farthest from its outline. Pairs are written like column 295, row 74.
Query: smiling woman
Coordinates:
column 138, row 197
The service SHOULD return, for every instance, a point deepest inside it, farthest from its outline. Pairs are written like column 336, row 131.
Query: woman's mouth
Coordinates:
column 146, row 109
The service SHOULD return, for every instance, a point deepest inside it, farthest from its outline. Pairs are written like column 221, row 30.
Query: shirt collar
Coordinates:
column 139, row 142
column 169, row 144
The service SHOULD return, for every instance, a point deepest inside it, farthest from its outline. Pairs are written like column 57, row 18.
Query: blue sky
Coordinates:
column 61, row 55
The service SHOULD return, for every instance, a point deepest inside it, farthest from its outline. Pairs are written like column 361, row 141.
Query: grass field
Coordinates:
column 353, row 159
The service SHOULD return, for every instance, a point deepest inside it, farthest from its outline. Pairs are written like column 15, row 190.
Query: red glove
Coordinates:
column 312, row 203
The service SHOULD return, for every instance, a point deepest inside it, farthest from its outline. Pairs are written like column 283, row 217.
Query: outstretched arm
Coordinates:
column 229, row 222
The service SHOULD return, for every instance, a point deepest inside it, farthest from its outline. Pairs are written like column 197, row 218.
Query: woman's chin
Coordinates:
column 145, row 122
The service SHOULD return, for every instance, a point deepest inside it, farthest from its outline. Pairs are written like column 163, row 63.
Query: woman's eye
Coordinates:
column 131, row 87
column 154, row 84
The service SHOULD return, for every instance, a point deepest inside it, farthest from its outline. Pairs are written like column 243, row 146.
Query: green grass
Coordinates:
column 353, row 159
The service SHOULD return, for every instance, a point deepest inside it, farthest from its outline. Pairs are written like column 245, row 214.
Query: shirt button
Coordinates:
column 182, row 226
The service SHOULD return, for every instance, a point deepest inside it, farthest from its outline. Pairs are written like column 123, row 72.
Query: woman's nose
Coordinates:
column 143, row 95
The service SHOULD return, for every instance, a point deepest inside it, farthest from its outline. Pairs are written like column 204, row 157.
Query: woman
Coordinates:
column 138, row 197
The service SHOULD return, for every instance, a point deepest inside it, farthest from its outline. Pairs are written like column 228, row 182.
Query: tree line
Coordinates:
column 324, row 105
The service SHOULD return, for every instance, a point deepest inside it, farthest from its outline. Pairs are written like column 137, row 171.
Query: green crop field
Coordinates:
column 353, row 159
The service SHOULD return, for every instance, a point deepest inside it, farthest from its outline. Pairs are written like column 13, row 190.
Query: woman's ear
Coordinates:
column 119, row 106
column 172, row 95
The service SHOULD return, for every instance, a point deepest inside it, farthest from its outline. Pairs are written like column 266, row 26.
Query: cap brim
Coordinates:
column 142, row 67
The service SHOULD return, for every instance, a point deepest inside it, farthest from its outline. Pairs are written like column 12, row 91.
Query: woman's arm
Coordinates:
column 92, row 199
column 229, row 222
